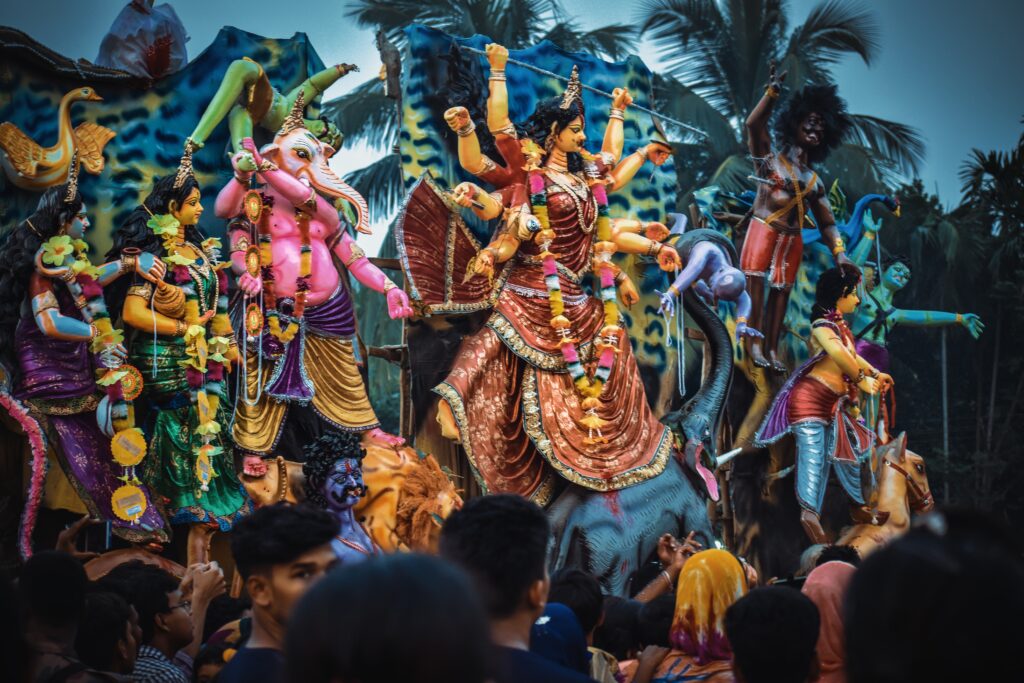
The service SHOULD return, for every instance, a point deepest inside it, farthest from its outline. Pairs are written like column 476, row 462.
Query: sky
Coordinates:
column 953, row 70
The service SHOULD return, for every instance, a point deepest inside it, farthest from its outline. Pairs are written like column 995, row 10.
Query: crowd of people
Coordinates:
column 938, row 604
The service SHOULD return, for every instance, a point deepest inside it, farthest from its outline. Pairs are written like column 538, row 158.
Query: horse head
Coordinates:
column 302, row 155
column 894, row 459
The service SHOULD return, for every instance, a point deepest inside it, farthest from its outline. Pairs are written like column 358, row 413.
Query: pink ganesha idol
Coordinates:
column 300, row 376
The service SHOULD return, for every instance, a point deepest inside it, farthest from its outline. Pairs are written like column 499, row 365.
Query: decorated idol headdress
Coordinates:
column 185, row 166
column 295, row 116
column 72, row 179
column 573, row 91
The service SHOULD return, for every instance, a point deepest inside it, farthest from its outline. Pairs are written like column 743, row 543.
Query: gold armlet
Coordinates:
column 488, row 165
column 144, row 290
column 128, row 263
column 508, row 129
column 356, row 254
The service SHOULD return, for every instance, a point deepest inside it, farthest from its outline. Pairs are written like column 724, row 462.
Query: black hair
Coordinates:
column 580, row 592
column 14, row 653
column 379, row 621
column 103, row 625
column 223, row 610
column 838, row 553
column 464, row 86
column 833, row 285
column 823, row 100
column 950, row 586
column 52, row 588
column 278, row 534
column 319, row 457
column 617, row 634
column 773, row 632
column 549, row 113
column 136, row 234
column 893, row 259
column 17, row 258
column 502, row 542
column 654, row 621
column 148, row 588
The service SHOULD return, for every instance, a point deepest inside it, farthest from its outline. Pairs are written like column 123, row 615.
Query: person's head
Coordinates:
column 814, row 119
column 654, row 621
column 52, row 591
column 580, row 592
column 728, row 283
column 558, row 637
column 838, row 553
column 836, row 291
column 826, row 587
column 209, row 662
column 333, row 470
column 710, row 582
column 773, row 632
column 502, row 543
column 939, row 603
column 617, row 633
column 106, row 633
column 165, row 616
column 552, row 126
column 896, row 274
column 223, row 610
column 281, row 551
column 54, row 215
column 402, row 617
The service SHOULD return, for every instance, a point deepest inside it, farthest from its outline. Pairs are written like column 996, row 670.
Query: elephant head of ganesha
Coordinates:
column 303, row 156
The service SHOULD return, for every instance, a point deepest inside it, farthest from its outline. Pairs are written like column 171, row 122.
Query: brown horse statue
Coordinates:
column 902, row 487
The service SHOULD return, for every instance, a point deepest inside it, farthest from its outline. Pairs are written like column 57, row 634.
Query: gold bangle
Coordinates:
column 838, row 248
column 496, row 75
column 466, row 130
column 615, row 113
column 741, row 319
column 620, row 277
column 960, row 318
column 654, row 248
column 868, row 235
column 771, row 92
column 389, row 285
column 673, row 290
column 243, row 181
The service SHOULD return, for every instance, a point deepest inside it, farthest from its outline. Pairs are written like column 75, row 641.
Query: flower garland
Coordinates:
column 301, row 282
column 121, row 382
column 206, row 359
column 607, row 341
column 40, row 465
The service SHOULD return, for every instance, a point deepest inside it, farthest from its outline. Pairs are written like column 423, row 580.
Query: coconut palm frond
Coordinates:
column 364, row 114
column 900, row 144
column 381, row 183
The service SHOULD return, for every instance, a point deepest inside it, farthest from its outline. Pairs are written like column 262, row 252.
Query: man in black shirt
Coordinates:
column 502, row 542
column 280, row 551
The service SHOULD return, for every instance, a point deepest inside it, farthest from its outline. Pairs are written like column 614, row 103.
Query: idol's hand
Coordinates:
column 465, row 194
column 484, row 264
column 744, row 330
column 398, row 304
column 250, row 146
column 775, row 80
column 655, row 231
column 497, row 56
column 243, row 163
column 868, row 385
column 973, row 324
column 843, row 260
column 658, row 153
column 628, row 293
column 621, row 98
column 668, row 258
column 668, row 303
column 457, row 118
column 884, row 382
column 249, row 284
column 149, row 267
column 871, row 224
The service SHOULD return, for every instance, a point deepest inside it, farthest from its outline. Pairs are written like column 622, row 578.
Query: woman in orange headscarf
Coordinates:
column 710, row 582
column 826, row 587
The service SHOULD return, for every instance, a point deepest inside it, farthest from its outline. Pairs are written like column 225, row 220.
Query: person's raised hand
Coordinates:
column 67, row 540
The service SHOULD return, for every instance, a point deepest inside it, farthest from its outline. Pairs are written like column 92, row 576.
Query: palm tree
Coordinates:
column 716, row 54
column 366, row 115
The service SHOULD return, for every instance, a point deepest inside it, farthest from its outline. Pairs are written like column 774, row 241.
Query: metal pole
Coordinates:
column 551, row 74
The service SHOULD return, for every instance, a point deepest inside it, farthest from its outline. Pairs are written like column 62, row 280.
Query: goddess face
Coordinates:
column 572, row 137
column 190, row 210
column 78, row 225
column 896, row 276
column 848, row 304
column 343, row 486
